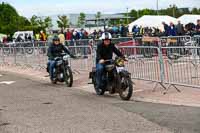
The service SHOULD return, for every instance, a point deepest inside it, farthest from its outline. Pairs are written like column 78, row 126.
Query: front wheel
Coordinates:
column 68, row 77
column 126, row 88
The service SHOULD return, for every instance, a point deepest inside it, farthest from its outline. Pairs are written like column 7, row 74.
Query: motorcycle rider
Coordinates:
column 55, row 50
column 104, row 52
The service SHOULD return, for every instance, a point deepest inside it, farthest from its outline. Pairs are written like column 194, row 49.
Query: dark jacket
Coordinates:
column 57, row 50
column 106, row 52
column 172, row 31
column 166, row 28
column 180, row 29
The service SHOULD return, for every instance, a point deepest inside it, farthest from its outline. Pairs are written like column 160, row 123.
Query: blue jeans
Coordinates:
column 99, row 75
column 52, row 65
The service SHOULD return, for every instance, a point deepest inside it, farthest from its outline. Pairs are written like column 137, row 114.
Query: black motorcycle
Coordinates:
column 62, row 71
column 116, row 79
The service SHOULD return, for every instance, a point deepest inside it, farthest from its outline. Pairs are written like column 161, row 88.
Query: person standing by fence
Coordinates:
column 172, row 30
column 180, row 29
column 198, row 27
column 166, row 29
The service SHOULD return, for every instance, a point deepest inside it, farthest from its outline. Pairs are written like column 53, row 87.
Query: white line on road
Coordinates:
column 1, row 75
column 7, row 82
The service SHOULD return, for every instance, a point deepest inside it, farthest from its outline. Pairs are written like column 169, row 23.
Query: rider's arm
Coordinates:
column 50, row 54
column 98, row 54
column 67, row 51
column 117, row 52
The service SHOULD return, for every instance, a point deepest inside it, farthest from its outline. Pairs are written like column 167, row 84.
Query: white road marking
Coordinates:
column 7, row 82
column 1, row 75
column 138, row 91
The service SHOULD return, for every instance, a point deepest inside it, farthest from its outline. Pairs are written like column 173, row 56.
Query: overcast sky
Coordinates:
column 51, row 7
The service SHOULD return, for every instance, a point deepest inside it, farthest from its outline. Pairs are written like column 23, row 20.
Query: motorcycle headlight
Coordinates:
column 120, row 62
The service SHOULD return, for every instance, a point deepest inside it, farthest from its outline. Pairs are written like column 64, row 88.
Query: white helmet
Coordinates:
column 106, row 35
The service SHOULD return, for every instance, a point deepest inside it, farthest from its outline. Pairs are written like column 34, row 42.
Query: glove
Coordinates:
column 124, row 58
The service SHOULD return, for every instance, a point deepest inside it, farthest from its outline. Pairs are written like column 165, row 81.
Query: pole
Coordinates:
column 173, row 10
column 127, row 15
column 157, row 7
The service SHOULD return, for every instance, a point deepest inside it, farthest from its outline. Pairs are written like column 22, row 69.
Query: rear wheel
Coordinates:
column 68, row 77
column 126, row 88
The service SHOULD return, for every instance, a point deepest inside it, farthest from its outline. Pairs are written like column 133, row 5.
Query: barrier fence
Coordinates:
column 166, row 61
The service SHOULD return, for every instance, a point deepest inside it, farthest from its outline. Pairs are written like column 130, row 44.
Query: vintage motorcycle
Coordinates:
column 116, row 79
column 62, row 71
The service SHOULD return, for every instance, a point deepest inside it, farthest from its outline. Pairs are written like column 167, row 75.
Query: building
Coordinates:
column 73, row 18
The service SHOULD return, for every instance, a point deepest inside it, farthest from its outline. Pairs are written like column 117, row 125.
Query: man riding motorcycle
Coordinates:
column 104, row 52
column 55, row 50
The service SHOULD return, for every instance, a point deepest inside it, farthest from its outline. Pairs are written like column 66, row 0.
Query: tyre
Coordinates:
column 29, row 50
column 126, row 88
column 6, row 51
column 68, row 77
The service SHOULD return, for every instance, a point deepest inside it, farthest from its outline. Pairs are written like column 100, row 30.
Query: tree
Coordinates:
column 81, row 19
column 134, row 14
column 10, row 20
column 48, row 23
column 195, row 11
column 63, row 22
column 34, row 21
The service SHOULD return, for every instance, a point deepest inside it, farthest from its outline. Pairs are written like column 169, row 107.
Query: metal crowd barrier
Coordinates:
column 143, row 67
column 183, row 69
column 167, row 61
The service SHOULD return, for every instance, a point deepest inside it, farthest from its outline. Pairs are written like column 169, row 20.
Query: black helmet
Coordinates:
column 56, row 38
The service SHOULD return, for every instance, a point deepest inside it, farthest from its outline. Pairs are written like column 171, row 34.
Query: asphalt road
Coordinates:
column 33, row 106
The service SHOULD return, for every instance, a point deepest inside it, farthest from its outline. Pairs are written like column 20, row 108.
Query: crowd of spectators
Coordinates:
column 169, row 30
column 116, row 31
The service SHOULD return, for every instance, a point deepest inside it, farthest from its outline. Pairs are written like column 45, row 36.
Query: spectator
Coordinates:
column 166, row 29
column 198, row 27
column 172, row 30
column 68, row 35
column 5, row 40
column 76, row 35
column 43, row 36
column 37, row 37
column 62, row 38
column 180, row 29
column 9, row 38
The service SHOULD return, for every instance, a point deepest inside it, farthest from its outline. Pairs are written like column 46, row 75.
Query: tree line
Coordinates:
column 172, row 10
column 11, row 21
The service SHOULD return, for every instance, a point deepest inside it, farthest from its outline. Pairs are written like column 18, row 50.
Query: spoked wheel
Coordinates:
column 29, row 50
column 68, row 77
column 126, row 90
column 99, row 91
column 6, row 51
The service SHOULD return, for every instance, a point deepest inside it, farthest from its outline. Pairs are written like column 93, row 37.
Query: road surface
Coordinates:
column 32, row 106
